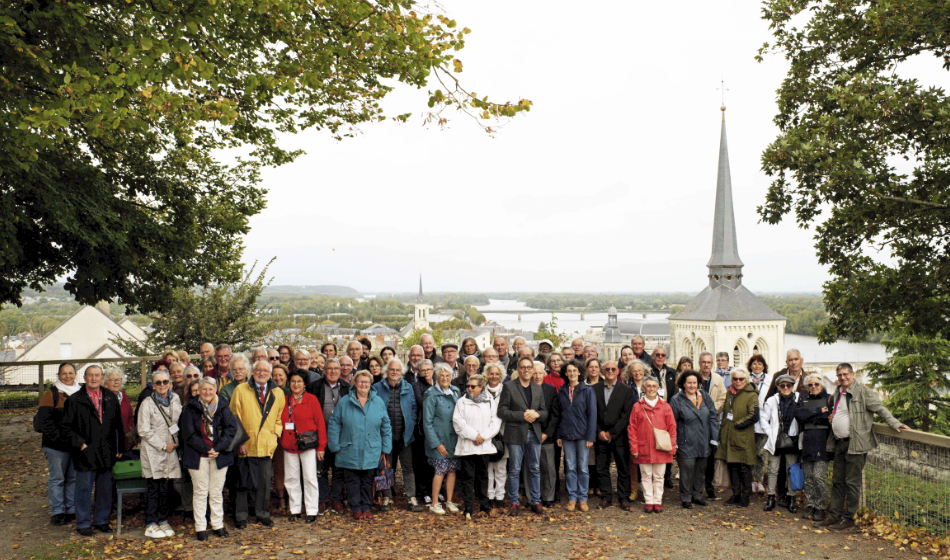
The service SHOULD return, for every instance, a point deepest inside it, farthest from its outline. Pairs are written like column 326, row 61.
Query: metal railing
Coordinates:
column 22, row 383
column 907, row 479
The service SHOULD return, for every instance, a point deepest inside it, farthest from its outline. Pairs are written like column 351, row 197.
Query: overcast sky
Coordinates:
column 606, row 185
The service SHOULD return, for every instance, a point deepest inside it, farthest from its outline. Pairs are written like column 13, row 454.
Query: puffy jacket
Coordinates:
column 262, row 424
column 470, row 420
column 307, row 416
column 155, row 434
column 695, row 427
column 813, row 427
column 640, row 432
column 437, row 413
column 359, row 435
column 578, row 416
column 740, row 413
column 82, row 426
column 769, row 420
column 50, row 418
column 407, row 402
column 225, row 428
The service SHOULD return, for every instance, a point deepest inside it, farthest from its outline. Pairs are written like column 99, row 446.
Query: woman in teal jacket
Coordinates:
column 359, row 433
column 437, row 409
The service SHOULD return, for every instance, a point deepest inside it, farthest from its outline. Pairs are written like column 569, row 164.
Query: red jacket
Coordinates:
column 640, row 433
column 556, row 380
column 128, row 420
column 307, row 417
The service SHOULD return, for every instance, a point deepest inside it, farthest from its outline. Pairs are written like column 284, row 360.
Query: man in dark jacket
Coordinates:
column 614, row 404
column 420, row 465
column 667, row 377
column 329, row 390
column 92, row 422
column 549, row 459
column 522, row 407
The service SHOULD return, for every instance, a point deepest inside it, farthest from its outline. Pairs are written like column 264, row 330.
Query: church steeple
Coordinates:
column 725, row 266
column 419, row 298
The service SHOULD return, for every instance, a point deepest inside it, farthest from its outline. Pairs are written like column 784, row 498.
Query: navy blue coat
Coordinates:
column 813, row 425
column 578, row 417
column 695, row 427
column 225, row 428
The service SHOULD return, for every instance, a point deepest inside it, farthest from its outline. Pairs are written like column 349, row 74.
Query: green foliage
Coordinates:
column 225, row 312
column 916, row 380
column 114, row 113
column 548, row 331
column 862, row 149
column 475, row 316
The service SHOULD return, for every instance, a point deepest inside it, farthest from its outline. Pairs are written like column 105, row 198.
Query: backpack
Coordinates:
column 36, row 417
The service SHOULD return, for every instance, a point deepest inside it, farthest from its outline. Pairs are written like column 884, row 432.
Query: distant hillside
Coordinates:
column 344, row 291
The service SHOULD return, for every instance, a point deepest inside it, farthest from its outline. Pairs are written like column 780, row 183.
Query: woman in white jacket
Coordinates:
column 476, row 422
column 778, row 420
column 158, row 429
column 497, row 470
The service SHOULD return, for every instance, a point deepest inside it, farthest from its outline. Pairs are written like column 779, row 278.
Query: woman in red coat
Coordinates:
column 648, row 413
column 301, row 415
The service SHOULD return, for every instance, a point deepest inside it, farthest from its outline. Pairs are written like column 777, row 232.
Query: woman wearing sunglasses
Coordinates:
column 778, row 421
column 476, row 422
column 812, row 417
column 158, row 429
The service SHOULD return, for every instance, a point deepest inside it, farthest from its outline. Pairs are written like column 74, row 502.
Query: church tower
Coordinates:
column 421, row 317
column 613, row 340
column 726, row 316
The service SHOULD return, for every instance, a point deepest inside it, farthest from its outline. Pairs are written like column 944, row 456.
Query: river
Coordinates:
column 840, row 351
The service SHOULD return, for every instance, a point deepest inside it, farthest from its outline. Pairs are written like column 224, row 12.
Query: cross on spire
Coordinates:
column 722, row 90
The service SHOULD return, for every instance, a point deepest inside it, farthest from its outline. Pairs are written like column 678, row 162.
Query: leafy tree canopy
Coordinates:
column 863, row 149
column 113, row 113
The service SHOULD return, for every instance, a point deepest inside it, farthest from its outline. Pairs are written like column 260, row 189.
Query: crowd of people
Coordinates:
column 325, row 431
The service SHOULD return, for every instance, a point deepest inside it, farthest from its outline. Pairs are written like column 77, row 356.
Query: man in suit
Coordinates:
column 523, row 409
column 614, row 404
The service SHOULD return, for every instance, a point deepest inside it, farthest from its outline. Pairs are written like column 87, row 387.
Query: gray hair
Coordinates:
column 651, row 379
column 722, row 355
column 302, row 351
column 189, row 368
column 259, row 349
column 629, row 369
column 331, row 361
column 790, row 350
column 660, row 347
column 238, row 358
column 493, row 365
column 422, row 362
column 270, row 368
column 821, row 379
column 844, row 365
column 91, row 366
column 158, row 372
column 208, row 381
column 114, row 371
column 705, row 354
column 636, row 336
column 515, row 339
column 396, row 360
column 440, row 368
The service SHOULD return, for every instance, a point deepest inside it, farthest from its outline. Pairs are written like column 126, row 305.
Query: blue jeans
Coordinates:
column 88, row 515
column 531, row 448
column 61, row 486
column 576, row 476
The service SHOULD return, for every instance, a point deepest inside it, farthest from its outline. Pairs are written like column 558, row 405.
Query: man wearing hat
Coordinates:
column 450, row 354
column 545, row 347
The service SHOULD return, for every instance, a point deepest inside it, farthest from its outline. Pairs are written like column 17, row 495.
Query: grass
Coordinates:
column 909, row 500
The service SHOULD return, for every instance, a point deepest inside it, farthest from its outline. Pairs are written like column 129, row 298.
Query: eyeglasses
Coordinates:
column 739, row 379
column 192, row 376
column 161, row 382
column 660, row 355
column 814, row 384
column 611, row 369
column 472, row 386
column 273, row 358
column 785, row 385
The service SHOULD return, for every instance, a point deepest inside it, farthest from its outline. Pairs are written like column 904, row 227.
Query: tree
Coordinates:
column 220, row 313
column 863, row 150
column 548, row 331
column 114, row 114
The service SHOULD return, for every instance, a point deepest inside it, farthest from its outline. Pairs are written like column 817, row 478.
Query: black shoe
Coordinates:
column 711, row 495
column 86, row 532
column 668, row 484
column 687, row 505
column 783, row 502
column 546, row 503
column 819, row 515
column 266, row 521
column 293, row 517
column 222, row 532
column 743, row 502
column 793, row 506
column 769, row 503
column 311, row 518
column 202, row 535
column 700, row 502
column 733, row 500
column 59, row 519
column 240, row 524
column 70, row 517
column 104, row 528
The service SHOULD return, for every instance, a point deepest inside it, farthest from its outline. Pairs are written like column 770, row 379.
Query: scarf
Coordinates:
column 119, row 396
column 653, row 402
column 207, row 416
column 496, row 391
column 448, row 391
column 482, row 397
column 68, row 389
column 164, row 401
column 757, row 379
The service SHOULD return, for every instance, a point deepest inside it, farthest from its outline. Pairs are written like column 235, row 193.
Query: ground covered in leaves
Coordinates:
column 715, row 532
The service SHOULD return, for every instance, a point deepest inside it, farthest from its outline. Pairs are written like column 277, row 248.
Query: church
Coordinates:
column 726, row 316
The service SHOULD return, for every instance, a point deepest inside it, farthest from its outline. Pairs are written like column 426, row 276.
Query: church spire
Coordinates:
column 725, row 266
column 419, row 299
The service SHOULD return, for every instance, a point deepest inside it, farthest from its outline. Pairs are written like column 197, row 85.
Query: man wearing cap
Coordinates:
column 851, row 439
column 450, row 355
column 545, row 347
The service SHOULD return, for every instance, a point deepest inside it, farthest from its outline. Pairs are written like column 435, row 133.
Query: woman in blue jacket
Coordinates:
column 576, row 434
column 437, row 410
column 697, row 424
column 360, row 434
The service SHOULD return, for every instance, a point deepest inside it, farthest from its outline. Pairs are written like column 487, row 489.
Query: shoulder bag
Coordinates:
column 660, row 437
column 307, row 440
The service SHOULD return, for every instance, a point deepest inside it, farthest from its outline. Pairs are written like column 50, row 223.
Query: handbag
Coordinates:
column 307, row 440
column 721, row 474
column 240, row 437
column 385, row 477
column 499, row 442
column 660, row 437
column 796, row 477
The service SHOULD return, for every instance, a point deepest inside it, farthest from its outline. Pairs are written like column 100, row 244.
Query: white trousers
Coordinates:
column 306, row 462
column 208, row 483
column 497, row 479
column 651, row 476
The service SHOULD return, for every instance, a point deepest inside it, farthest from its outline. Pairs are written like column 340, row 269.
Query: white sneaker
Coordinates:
column 428, row 500
column 154, row 532
column 169, row 532
column 437, row 509
column 451, row 507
